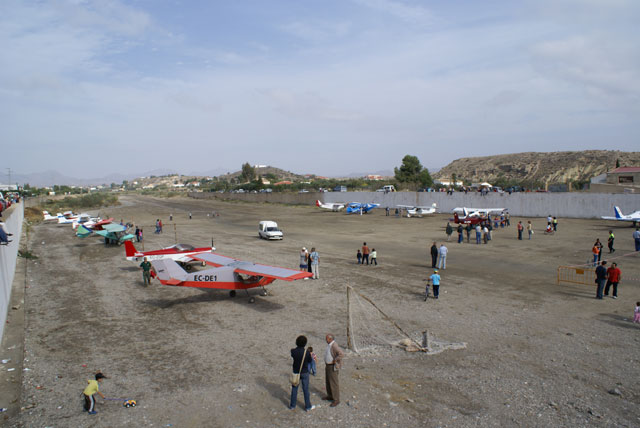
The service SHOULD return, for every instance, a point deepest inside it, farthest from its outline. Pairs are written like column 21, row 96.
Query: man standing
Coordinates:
column 448, row 231
column 315, row 258
column 613, row 277
column 365, row 253
column 555, row 224
column 478, row 233
column 460, row 234
column 146, row 271
column 435, row 280
column 520, row 229
column 442, row 263
column 601, row 277
column 434, row 255
column 610, row 240
column 333, row 363
column 529, row 229
column 636, row 238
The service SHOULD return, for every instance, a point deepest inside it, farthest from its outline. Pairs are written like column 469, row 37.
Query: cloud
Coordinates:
column 405, row 12
column 317, row 31
column 307, row 105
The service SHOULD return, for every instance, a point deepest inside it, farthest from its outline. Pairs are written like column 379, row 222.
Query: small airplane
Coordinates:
column 467, row 219
column 181, row 253
column 357, row 207
column 48, row 216
column 227, row 274
column 478, row 212
column 85, row 219
column 634, row 216
column 415, row 211
column 112, row 233
column 94, row 223
column 330, row 206
column 67, row 217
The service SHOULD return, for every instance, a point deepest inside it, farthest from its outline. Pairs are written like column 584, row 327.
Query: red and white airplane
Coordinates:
column 330, row 206
column 227, row 274
column 181, row 253
column 467, row 219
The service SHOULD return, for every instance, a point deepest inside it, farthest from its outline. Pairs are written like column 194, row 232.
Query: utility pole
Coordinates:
column 9, row 173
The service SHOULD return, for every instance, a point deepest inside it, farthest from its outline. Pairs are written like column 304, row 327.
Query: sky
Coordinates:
column 330, row 87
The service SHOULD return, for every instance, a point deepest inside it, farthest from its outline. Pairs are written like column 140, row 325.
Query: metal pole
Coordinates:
column 175, row 233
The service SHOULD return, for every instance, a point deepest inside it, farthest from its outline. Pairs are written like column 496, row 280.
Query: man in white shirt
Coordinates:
column 442, row 261
column 333, row 362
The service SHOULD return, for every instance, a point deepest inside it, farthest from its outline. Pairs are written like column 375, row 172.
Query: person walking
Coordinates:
column 599, row 244
column 90, row 391
column 137, row 234
column 333, row 363
column 359, row 257
column 460, row 234
column 485, row 234
column 555, row 224
column 601, row 278
column 434, row 255
column 189, row 216
column 448, row 230
column 374, row 257
column 529, row 229
column 507, row 218
column 468, row 230
column 387, row 211
column 610, row 240
column 146, row 271
column 442, row 262
column 435, row 281
column 301, row 361
column 365, row 253
column 613, row 278
column 315, row 260
column 636, row 238
column 478, row 233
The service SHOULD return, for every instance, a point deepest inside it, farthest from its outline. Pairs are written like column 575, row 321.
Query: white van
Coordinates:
column 269, row 230
column 386, row 189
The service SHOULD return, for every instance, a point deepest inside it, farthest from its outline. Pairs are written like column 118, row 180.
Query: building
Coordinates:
column 625, row 179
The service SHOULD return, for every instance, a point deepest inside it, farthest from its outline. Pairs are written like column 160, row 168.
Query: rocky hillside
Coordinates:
column 533, row 167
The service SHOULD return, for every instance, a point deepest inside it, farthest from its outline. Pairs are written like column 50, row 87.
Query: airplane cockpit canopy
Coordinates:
column 184, row 247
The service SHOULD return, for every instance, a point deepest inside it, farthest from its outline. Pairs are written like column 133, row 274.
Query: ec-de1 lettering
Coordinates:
column 204, row 278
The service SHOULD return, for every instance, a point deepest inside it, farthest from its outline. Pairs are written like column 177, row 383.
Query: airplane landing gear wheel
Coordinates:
column 252, row 300
column 187, row 267
column 264, row 293
column 232, row 293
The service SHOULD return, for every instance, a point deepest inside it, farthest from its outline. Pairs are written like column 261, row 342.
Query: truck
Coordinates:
column 269, row 230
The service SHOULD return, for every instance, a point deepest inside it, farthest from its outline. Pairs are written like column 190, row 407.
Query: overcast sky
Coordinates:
column 328, row 87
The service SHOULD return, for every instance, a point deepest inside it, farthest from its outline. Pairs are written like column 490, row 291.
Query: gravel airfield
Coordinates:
column 537, row 353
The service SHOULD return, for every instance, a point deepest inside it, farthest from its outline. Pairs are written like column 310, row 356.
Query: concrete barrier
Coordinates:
column 567, row 205
column 12, row 219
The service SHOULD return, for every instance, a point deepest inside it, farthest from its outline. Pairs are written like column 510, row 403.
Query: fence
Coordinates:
column 576, row 275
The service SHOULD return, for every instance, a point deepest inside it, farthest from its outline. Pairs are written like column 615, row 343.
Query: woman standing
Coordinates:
column 301, row 361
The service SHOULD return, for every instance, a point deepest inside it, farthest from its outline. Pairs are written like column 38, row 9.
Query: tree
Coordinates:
column 412, row 171
column 248, row 173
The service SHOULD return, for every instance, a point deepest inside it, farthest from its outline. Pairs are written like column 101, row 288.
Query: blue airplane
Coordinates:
column 357, row 207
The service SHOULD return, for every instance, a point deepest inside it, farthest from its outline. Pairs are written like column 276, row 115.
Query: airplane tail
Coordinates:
column 129, row 249
column 465, row 212
column 318, row 204
column 169, row 272
column 619, row 214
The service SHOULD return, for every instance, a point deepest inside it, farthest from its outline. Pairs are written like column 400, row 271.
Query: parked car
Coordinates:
column 340, row 189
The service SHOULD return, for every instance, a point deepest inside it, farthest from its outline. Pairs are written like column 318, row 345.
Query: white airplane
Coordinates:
column 67, row 217
column 48, row 216
column 414, row 211
column 86, row 220
column 477, row 212
column 634, row 216
column 180, row 253
column 330, row 206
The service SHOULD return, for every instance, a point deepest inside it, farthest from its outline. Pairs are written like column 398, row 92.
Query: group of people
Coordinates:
column 158, row 226
column 304, row 365
column 309, row 262
column 367, row 255
column 610, row 277
column 439, row 256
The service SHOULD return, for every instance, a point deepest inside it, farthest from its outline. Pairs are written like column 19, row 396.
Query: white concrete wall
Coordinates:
column 12, row 219
column 567, row 205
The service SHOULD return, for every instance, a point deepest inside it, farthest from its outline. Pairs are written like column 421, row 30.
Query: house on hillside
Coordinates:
column 281, row 183
column 625, row 179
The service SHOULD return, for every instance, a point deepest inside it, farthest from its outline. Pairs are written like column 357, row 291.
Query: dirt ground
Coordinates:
column 537, row 354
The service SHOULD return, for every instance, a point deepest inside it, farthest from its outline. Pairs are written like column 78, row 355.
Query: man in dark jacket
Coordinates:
column 434, row 255
column 601, row 278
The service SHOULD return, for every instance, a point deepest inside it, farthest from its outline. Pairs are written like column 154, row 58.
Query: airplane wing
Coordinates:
column 113, row 228
column 637, row 219
column 285, row 274
column 213, row 259
column 169, row 271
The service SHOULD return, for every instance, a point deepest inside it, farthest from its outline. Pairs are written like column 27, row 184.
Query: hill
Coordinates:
column 533, row 168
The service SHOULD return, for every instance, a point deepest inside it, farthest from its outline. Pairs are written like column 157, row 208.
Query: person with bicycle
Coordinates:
column 435, row 281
